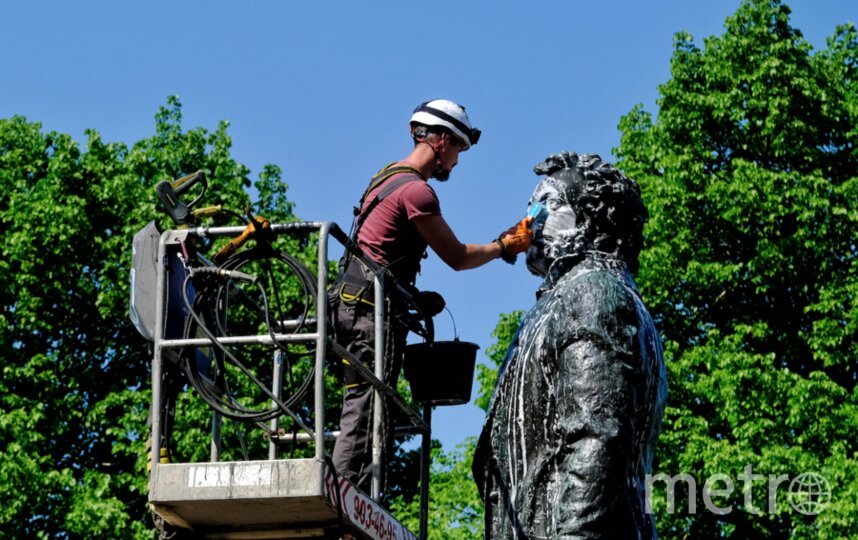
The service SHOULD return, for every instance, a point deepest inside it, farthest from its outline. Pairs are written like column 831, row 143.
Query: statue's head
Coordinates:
column 592, row 206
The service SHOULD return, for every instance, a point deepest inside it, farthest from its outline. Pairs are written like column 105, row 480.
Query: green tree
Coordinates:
column 750, row 173
column 74, row 389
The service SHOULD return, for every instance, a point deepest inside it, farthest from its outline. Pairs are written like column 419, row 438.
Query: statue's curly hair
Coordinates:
column 607, row 203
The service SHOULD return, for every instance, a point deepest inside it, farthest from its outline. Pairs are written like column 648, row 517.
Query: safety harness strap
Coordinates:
column 389, row 188
column 348, row 273
column 381, row 177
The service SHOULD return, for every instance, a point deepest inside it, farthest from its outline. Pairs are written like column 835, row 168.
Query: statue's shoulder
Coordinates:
column 597, row 303
column 596, row 289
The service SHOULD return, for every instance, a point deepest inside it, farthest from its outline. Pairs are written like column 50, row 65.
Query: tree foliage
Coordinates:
column 487, row 375
column 455, row 509
column 750, row 173
column 75, row 376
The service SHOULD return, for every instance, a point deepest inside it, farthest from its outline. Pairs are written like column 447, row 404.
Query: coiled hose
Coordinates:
column 216, row 289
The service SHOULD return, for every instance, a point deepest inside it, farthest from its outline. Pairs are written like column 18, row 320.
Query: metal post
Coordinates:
column 217, row 430
column 425, row 462
column 160, row 309
column 277, row 390
column 378, row 402
column 321, row 338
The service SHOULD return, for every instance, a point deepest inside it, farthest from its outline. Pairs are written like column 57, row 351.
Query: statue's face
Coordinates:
column 556, row 237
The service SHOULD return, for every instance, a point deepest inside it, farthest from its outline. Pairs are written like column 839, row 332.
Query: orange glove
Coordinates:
column 516, row 239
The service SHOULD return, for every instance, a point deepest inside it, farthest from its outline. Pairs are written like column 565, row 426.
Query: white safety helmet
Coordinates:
column 443, row 112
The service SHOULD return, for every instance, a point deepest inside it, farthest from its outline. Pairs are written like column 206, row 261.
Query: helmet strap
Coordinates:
column 439, row 172
column 435, row 148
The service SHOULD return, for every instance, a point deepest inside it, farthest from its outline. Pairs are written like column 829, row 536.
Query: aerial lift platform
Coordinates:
column 279, row 498
column 285, row 498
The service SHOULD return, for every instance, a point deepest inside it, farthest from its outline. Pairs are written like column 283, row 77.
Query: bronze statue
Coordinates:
column 576, row 411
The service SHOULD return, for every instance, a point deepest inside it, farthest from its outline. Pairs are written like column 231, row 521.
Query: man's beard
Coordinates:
column 441, row 174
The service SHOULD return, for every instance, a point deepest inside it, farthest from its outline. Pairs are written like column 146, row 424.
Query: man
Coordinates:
column 577, row 407
column 399, row 217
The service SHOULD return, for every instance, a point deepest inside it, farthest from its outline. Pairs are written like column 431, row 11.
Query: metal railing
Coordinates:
column 317, row 435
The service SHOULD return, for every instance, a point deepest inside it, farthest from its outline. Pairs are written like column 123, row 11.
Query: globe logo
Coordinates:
column 809, row 493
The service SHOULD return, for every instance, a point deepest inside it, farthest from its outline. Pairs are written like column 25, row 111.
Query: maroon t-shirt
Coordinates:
column 388, row 235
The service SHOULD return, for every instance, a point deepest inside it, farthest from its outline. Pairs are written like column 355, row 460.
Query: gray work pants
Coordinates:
column 355, row 330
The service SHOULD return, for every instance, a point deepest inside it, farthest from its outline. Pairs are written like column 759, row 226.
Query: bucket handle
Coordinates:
column 455, row 332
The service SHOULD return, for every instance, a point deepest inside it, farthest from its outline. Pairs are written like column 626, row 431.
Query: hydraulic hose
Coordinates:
column 211, row 301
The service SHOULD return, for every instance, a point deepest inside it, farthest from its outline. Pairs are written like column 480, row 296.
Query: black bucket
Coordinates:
column 442, row 372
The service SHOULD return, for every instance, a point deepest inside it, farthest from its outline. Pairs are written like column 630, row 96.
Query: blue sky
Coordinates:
column 325, row 91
